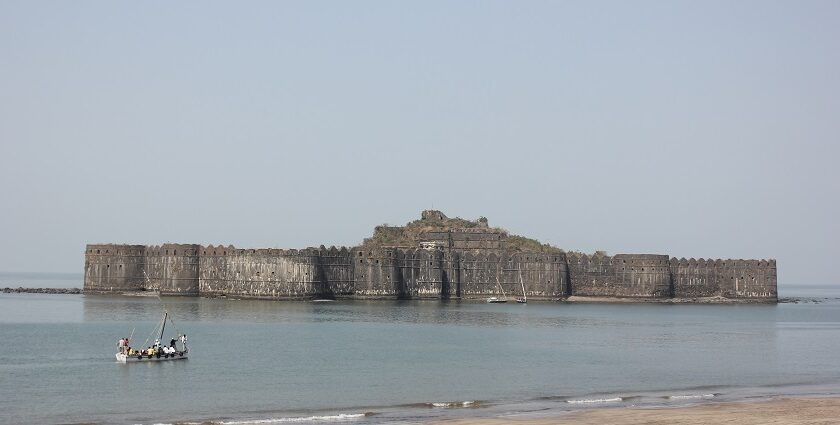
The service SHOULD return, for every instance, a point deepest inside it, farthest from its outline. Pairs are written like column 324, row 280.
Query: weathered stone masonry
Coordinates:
column 456, row 270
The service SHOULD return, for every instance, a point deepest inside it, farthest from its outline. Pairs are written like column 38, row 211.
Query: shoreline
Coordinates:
column 471, row 299
column 786, row 410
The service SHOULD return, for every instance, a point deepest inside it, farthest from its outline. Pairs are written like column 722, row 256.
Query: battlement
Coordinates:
column 435, row 257
column 768, row 263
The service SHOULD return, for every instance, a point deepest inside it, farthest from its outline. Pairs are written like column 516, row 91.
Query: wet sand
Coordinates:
column 785, row 411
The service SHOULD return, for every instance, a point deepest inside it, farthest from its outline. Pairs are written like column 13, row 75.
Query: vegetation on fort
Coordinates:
column 523, row 244
column 409, row 235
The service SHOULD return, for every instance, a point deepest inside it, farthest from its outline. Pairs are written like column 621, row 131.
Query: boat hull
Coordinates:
column 122, row 358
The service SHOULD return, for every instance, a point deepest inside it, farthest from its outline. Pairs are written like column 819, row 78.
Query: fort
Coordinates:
column 433, row 257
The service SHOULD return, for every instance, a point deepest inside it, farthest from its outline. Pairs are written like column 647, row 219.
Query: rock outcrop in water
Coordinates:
column 434, row 257
column 21, row 290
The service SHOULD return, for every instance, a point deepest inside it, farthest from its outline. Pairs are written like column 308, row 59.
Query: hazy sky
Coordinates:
column 694, row 129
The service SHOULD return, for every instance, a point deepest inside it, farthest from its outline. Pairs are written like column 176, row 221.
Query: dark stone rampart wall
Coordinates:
column 179, row 269
column 622, row 275
column 110, row 268
column 399, row 273
column 489, row 273
column 261, row 273
column 172, row 269
column 724, row 278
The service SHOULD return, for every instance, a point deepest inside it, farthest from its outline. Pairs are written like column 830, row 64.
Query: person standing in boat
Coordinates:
column 121, row 345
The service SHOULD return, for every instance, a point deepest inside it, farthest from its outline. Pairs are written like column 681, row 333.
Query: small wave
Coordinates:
column 553, row 398
column 327, row 418
column 595, row 400
column 454, row 404
column 689, row 396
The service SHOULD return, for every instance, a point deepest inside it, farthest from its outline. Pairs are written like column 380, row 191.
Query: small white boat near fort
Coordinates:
column 495, row 300
column 157, row 352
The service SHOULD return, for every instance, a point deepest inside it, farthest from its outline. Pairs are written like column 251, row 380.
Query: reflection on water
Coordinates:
column 458, row 313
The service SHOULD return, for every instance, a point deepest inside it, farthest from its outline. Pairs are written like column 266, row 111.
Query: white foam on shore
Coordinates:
column 595, row 400
column 689, row 396
column 451, row 404
column 344, row 417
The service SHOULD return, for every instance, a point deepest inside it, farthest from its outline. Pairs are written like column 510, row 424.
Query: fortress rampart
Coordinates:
column 434, row 257
column 402, row 273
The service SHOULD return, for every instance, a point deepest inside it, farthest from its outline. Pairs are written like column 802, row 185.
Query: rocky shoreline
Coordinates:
column 21, row 290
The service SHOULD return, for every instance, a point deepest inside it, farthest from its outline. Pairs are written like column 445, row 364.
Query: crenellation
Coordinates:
column 466, row 262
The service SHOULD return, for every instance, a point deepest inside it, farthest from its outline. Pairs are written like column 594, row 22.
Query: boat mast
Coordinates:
column 165, row 315
column 504, row 296
column 524, row 295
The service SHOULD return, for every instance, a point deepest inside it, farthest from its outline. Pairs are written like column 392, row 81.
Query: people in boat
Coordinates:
column 121, row 345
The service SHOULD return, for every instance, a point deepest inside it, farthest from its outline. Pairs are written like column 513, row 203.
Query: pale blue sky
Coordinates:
column 695, row 129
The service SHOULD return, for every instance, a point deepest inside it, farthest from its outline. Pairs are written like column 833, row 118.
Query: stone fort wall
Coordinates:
column 193, row 270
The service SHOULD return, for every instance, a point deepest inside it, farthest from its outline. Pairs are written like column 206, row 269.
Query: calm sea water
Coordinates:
column 41, row 280
column 380, row 361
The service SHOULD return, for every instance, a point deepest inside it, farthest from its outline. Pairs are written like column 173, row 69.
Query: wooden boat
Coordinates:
column 496, row 300
column 179, row 353
column 123, row 358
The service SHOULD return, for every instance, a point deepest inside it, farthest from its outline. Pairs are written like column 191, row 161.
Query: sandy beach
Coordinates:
column 785, row 411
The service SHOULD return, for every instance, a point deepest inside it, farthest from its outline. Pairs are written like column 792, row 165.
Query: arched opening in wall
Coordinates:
column 361, row 261
column 97, row 251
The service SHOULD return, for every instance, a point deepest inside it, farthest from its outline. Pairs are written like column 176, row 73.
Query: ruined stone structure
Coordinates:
column 468, row 262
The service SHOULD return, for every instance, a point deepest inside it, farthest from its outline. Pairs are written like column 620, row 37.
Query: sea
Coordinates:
column 383, row 362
